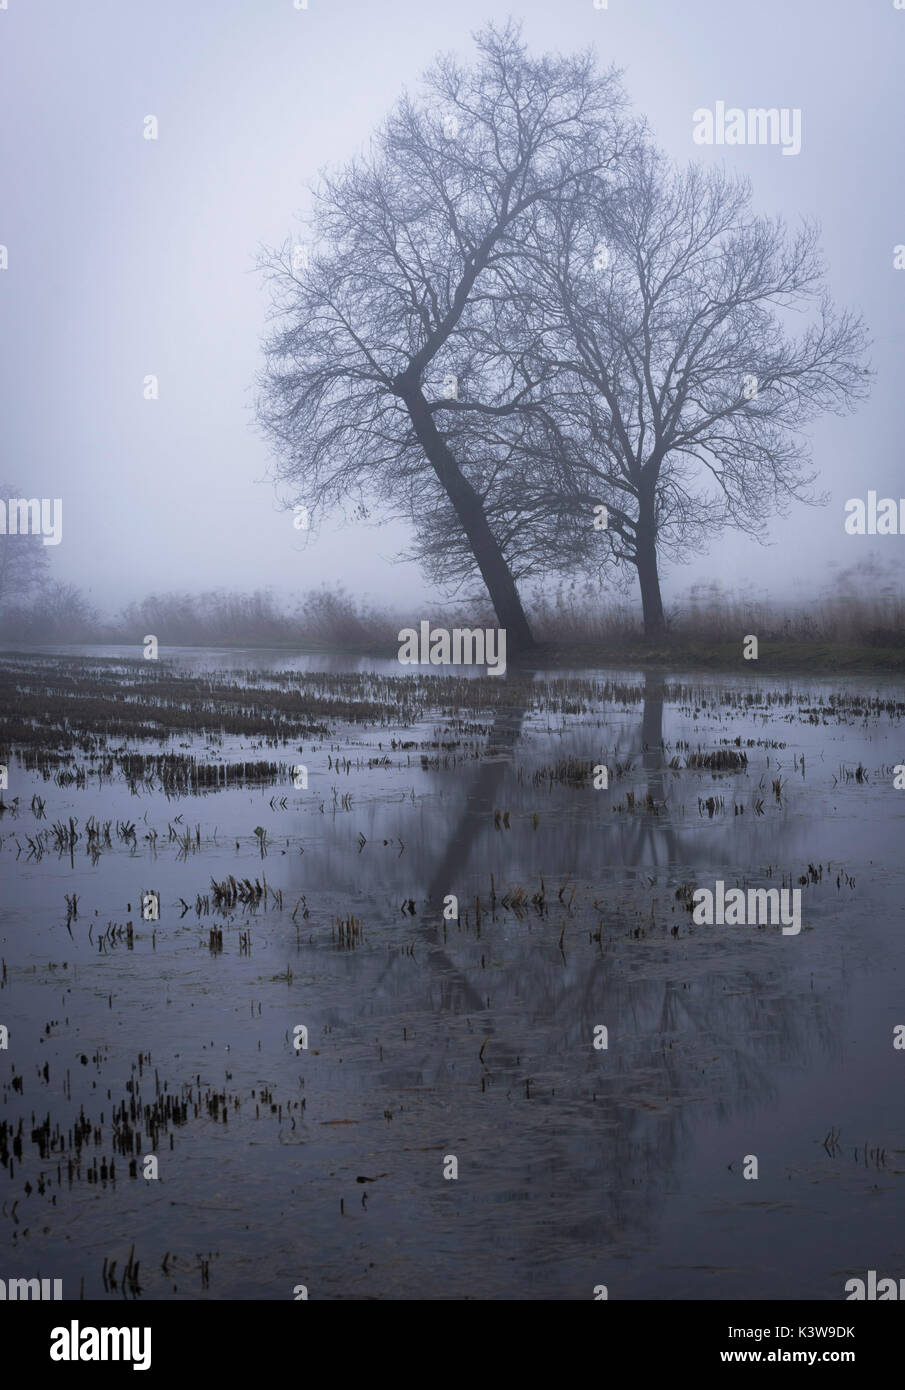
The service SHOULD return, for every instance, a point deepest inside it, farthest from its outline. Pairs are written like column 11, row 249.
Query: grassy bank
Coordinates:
column 857, row 628
column 773, row 656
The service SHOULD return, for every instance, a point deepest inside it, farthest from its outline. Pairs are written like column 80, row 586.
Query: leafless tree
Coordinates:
column 385, row 382
column 698, row 340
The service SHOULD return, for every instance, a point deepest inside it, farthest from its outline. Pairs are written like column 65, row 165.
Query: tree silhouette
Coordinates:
column 385, row 381
column 670, row 311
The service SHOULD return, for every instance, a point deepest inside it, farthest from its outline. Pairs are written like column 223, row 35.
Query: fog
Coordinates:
column 130, row 257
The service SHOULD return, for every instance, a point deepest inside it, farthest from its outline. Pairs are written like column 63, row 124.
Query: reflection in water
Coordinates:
column 474, row 1037
column 616, row 1137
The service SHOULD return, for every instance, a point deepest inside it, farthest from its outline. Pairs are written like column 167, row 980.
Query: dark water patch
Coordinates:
column 470, row 1035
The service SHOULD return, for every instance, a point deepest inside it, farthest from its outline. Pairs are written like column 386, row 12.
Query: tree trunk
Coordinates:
column 491, row 562
column 646, row 561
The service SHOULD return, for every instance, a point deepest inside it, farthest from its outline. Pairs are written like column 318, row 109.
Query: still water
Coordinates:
column 432, row 1037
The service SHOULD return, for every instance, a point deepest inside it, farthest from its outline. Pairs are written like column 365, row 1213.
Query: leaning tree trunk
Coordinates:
column 649, row 579
column 469, row 509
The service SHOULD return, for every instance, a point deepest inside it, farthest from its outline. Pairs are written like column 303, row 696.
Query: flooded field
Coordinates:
column 203, row 856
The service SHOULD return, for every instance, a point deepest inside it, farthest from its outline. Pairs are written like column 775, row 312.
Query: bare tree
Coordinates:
column 676, row 314
column 23, row 558
column 384, row 382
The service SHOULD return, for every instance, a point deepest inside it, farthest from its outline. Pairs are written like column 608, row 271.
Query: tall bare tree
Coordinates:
column 384, row 381
column 699, row 340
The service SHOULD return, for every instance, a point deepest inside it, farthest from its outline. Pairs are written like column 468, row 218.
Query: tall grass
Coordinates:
column 323, row 617
column 853, row 612
column 864, row 607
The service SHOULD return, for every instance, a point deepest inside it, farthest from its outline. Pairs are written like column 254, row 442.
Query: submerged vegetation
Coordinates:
column 454, row 897
column 51, row 710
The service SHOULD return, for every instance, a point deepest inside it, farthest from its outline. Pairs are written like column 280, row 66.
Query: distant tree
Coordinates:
column 23, row 558
column 56, row 612
column 697, row 340
column 385, row 383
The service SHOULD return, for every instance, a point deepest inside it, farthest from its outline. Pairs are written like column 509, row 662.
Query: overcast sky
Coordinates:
column 129, row 257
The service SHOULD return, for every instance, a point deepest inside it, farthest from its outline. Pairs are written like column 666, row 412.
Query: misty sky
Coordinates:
column 129, row 257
